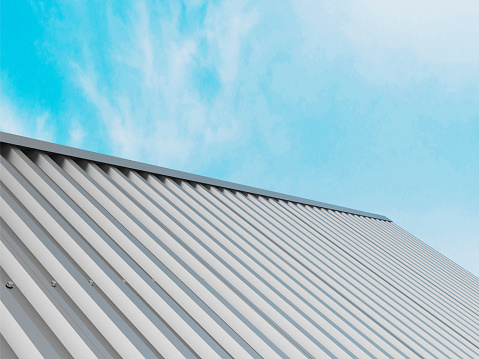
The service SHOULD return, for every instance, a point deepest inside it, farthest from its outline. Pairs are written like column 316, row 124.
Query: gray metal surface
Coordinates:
column 48, row 147
column 151, row 265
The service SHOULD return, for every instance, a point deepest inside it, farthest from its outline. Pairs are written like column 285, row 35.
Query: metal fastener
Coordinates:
column 9, row 284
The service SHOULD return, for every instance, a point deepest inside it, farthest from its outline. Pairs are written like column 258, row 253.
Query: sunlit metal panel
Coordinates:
column 104, row 257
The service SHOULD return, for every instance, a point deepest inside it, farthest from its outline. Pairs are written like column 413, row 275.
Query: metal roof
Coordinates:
column 103, row 257
column 143, row 167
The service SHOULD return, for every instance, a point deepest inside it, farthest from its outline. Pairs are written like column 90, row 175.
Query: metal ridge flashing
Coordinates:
column 27, row 142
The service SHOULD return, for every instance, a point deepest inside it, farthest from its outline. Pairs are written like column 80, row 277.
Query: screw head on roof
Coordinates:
column 90, row 281
column 123, row 280
column 9, row 284
column 54, row 283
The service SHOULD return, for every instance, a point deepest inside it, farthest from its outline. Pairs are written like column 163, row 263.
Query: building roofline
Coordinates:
column 27, row 142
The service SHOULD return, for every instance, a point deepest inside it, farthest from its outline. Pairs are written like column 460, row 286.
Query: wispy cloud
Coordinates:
column 397, row 42
column 10, row 121
column 436, row 32
column 77, row 134
column 16, row 121
column 154, row 87
column 225, row 27
column 169, row 83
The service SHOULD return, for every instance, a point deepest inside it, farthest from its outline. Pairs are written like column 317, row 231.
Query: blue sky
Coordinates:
column 372, row 104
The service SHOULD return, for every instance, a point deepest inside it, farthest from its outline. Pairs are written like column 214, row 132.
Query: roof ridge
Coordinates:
column 45, row 146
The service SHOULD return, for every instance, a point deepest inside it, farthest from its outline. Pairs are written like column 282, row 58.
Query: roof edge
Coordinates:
column 27, row 142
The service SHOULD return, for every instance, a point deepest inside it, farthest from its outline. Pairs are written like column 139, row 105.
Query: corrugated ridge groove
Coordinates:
column 367, row 233
column 111, row 260
column 265, row 260
column 284, row 220
column 388, row 281
column 64, row 303
column 268, row 242
column 442, row 268
column 75, row 153
column 258, row 268
column 137, row 255
column 61, row 234
column 358, row 251
column 177, row 245
column 332, row 288
column 276, row 230
column 189, row 241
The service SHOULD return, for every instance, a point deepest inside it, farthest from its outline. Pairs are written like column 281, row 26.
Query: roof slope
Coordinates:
column 113, row 261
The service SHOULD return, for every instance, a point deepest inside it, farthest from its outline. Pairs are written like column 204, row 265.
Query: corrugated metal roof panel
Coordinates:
column 113, row 261
column 24, row 142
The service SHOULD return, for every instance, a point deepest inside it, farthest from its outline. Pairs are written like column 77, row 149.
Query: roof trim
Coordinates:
column 27, row 142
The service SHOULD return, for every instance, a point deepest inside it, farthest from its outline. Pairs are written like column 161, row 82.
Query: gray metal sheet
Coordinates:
column 25, row 142
column 158, row 264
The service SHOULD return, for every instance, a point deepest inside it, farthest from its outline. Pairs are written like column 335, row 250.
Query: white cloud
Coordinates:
column 146, row 99
column 146, row 47
column 180, row 58
column 12, row 120
column 441, row 32
column 44, row 131
column 226, row 26
column 396, row 41
column 77, row 134
column 125, row 135
column 9, row 120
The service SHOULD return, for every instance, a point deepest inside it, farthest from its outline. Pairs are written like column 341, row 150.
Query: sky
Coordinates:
column 372, row 105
